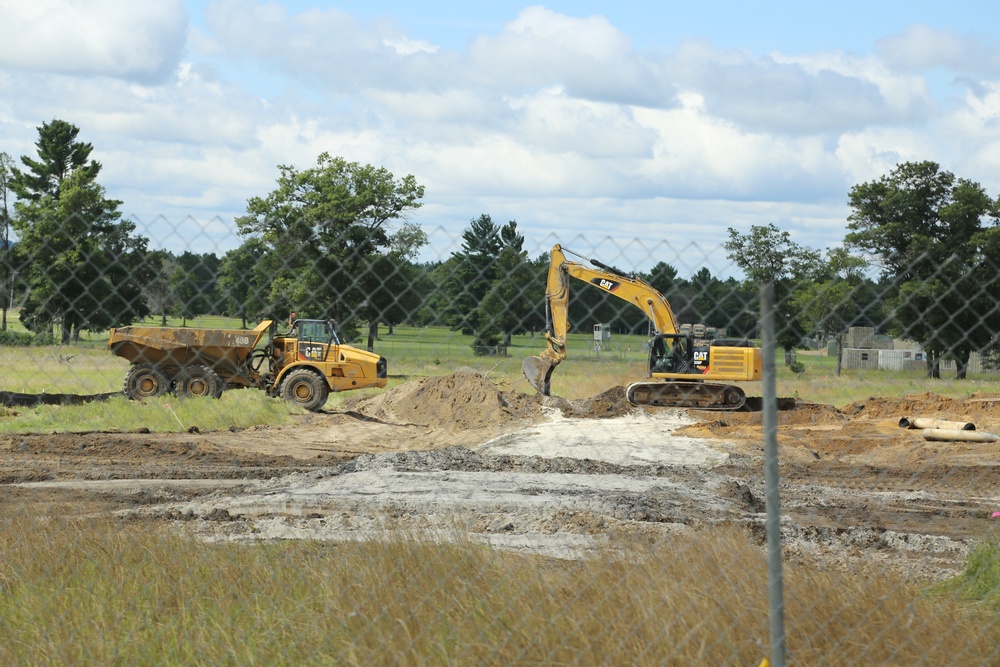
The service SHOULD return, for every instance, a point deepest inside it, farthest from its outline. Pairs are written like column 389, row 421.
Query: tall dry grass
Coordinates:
column 104, row 591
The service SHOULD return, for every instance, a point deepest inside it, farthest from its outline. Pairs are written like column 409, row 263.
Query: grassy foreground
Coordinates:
column 105, row 592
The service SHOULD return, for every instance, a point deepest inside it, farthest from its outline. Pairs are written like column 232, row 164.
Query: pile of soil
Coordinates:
column 461, row 401
column 608, row 404
column 976, row 407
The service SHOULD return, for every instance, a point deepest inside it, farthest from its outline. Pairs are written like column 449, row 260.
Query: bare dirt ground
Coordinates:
column 458, row 455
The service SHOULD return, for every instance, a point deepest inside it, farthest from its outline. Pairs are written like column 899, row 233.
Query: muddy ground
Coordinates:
column 456, row 453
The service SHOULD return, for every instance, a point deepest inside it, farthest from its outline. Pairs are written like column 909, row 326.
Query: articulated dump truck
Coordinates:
column 302, row 366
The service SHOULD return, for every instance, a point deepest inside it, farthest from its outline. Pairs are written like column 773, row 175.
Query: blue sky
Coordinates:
column 642, row 130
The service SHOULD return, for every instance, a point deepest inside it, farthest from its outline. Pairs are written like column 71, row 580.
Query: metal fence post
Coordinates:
column 771, row 495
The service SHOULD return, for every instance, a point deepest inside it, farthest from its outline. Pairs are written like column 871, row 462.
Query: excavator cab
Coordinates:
column 671, row 353
column 677, row 354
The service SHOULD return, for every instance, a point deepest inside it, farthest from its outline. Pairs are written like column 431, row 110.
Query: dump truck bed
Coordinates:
column 168, row 347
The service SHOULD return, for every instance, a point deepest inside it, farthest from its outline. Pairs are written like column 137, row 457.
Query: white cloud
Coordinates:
column 701, row 156
column 553, row 121
column 328, row 48
column 407, row 47
column 965, row 140
column 822, row 93
column 588, row 56
column 973, row 137
column 189, row 110
column 921, row 48
column 115, row 38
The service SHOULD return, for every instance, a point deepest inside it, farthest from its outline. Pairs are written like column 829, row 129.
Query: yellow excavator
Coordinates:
column 684, row 371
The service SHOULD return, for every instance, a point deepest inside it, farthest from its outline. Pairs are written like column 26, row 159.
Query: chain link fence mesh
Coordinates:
column 180, row 494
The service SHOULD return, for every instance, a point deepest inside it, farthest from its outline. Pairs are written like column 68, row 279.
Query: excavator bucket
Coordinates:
column 538, row 370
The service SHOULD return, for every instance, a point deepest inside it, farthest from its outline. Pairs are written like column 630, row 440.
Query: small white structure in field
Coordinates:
column 602, row 336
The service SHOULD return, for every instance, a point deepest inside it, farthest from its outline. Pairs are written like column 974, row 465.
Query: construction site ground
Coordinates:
column 456, row 455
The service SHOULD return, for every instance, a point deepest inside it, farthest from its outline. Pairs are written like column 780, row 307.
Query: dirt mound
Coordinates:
column 804, row 414
column 926, row 404
column 981, row 407
column 977, row 407
column 610, row 403
column 460, row 401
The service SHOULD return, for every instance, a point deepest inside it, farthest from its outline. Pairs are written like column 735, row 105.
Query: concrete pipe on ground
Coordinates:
column 926, row 422
column 958, row 435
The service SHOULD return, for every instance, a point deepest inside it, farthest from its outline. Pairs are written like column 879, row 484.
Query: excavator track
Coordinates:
column 701, row 395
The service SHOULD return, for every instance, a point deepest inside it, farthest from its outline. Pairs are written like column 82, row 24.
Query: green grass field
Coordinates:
column 89, row 368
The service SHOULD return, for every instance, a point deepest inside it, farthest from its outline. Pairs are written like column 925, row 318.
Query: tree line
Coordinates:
column 921, row 259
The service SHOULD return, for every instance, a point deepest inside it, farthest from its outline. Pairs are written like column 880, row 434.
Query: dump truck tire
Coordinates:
column 198, row 381
column 306, row 388
column 145, row 381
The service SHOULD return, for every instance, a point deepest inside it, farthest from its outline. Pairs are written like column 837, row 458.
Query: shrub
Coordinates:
column 487, row 343
column 19, row 338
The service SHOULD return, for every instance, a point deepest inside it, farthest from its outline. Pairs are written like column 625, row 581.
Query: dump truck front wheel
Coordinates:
column 145, row 381
column 304, row 387
column 198, row 381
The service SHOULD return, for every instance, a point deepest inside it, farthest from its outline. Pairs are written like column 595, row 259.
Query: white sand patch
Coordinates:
column 551, row 488
column 639, row 439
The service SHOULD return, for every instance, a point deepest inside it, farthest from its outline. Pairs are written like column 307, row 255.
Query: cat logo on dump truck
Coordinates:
column 605, row 284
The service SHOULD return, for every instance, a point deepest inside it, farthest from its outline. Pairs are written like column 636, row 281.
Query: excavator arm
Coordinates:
column 538, row 369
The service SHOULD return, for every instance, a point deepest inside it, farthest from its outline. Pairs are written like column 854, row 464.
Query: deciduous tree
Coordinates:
column 243, row 294
column 157, row 292
column 833, row 301
column 194, row 285
column 936, row 237
column 767, row 254
column 322, row 228
column 391, row 280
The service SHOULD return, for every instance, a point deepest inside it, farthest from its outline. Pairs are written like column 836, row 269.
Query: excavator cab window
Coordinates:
column 682, row 355
column 670, row 354
column 659, row 360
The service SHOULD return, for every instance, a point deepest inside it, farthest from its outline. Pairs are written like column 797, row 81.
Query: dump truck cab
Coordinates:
column 310, row 361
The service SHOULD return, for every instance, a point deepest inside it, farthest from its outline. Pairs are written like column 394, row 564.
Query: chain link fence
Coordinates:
column 390, row 446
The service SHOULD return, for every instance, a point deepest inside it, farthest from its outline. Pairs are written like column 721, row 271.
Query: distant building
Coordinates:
column 865, row 350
